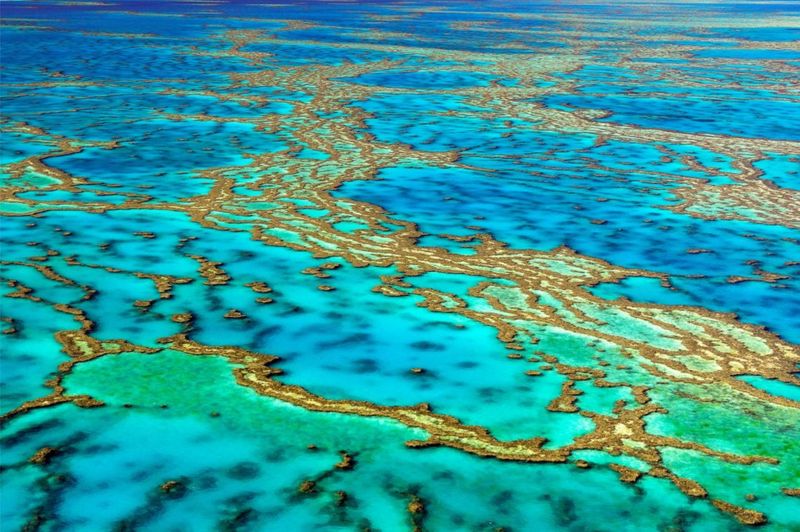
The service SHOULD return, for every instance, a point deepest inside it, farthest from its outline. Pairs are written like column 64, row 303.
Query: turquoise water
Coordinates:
column 399, row 266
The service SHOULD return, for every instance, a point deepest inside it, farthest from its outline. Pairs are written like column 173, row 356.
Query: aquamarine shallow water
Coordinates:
column 557, row 243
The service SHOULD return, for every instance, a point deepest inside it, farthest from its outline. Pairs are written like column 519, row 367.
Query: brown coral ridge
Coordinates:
column 417, row 511
column 612, row 433
column 43, row 455
column 220, row 278
column 37, row 165
column 363, row 249
column 80, row 347
column 515, row 102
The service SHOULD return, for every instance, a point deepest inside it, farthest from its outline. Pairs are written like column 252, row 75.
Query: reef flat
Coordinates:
column 400, row 265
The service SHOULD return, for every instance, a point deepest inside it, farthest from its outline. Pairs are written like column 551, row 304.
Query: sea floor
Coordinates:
column 439, row 265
